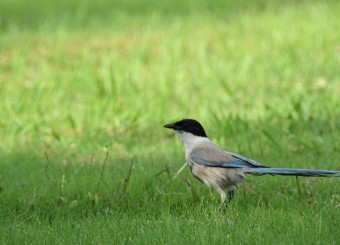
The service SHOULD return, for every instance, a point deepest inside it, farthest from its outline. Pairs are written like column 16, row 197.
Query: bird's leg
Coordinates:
column 231, row 195
column 223, row 195
column 225, row 204
column 211, row 194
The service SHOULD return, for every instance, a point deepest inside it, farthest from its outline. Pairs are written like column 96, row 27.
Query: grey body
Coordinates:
column 221, row 179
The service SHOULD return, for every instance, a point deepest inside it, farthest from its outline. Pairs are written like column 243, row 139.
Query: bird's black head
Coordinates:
column 188, row 125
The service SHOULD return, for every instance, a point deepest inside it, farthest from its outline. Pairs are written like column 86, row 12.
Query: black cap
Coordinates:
column 188, row 125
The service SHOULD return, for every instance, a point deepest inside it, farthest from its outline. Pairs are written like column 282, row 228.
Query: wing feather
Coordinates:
column 213, row 156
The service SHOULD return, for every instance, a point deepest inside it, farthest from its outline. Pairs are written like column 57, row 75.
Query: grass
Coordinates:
column 80, row 80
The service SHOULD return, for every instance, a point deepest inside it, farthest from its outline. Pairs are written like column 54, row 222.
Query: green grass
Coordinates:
column 75, row 77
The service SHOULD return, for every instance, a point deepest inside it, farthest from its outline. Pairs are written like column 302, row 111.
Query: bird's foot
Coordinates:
column 223, row 207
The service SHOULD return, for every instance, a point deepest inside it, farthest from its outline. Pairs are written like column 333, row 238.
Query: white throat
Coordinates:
column 190, row 141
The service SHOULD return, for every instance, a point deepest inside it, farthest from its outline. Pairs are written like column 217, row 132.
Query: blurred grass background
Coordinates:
column 76, row 76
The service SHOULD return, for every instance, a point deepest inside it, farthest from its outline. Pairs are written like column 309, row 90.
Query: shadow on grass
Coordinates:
column 53, row 185
column 50, row 187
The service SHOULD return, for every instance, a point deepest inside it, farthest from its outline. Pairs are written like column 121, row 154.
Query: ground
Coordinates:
column 87, row 86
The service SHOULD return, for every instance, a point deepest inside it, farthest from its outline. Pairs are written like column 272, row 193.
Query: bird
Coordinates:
column 222, row 170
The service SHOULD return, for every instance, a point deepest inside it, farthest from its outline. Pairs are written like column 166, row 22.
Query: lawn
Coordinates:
column 86, row 87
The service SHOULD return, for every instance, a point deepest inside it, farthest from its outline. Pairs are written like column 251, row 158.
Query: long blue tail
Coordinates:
column 292, row 172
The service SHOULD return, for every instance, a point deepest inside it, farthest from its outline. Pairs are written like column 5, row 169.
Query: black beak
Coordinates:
column 171, row 125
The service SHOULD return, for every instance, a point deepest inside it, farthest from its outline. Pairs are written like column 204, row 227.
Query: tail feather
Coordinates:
column 292, row 172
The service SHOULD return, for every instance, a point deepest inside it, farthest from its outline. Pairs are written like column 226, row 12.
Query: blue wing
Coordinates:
column 253, row 164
